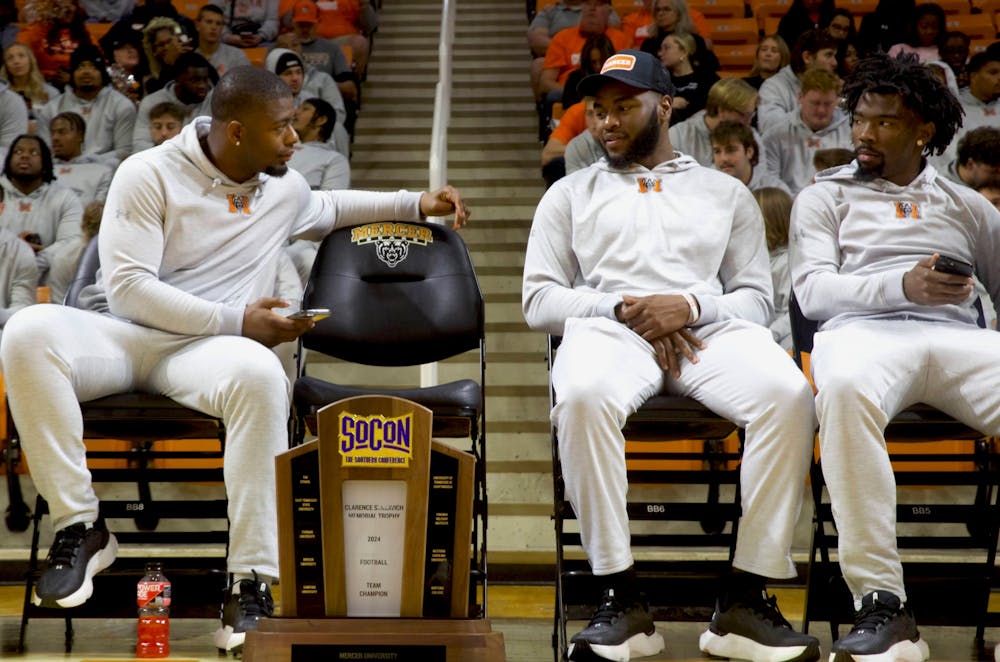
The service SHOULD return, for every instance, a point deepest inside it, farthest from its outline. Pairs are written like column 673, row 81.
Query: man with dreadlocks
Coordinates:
column 873, row 249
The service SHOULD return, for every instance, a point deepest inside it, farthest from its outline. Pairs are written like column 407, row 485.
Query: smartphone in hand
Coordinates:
column 315, row 314
column 952, row 265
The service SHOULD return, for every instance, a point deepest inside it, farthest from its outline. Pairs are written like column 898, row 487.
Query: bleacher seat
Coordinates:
column 975, row 26
column 988, row 7
column 189, row 8
column 767, row 12
column 857, row 7
column 625, row 7
column 720, row 8
column 256, row 56
column 954, row 6
column 734, row 31
column 97, row 30
column 979, row 45
column 735, row 59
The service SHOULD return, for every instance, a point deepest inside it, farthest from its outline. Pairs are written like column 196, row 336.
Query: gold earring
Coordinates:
column 238, row 143
column 920, row 143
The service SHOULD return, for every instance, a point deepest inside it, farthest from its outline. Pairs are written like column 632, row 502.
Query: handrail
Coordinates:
column 438, row 164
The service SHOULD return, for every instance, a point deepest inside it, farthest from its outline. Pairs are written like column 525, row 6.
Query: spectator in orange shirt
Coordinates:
column 563, row 54
column 344, row 22
column 57, row 29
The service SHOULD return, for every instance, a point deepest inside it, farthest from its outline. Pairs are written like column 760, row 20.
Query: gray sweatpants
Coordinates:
column 54, row 357
column 866, row 372
column 604, row 371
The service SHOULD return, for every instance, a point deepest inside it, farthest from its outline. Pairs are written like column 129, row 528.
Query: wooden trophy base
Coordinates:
column 396, row 639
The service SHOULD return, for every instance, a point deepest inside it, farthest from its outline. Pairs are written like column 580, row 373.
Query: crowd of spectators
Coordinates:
column 85, row 84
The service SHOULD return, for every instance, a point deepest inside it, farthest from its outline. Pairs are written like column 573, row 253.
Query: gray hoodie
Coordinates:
column 852, row 239
column 13, row 117
column 184, row 248
column 600, row 233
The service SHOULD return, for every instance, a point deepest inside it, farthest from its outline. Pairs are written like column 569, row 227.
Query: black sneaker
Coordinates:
column 244, row 603
column 616, row 633
column 884, row 631
column 77, row 554
column 752, row 628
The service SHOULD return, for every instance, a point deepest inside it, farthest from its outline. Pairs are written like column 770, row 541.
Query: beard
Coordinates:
column 643, row 144
column 276, row 170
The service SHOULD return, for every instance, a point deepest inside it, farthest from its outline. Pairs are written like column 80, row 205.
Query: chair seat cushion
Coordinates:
column 146, row 416
column 444, row 399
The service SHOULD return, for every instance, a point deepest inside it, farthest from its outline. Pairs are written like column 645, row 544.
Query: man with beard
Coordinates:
column 191, row 89
column 896, row 327
column 191, row 239
column 109, row 114
column 39, row 210
column 656, row 287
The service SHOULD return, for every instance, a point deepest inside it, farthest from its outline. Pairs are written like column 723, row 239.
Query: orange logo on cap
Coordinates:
column 622, row 62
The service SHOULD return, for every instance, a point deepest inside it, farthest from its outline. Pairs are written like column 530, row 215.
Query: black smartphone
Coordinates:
column 315, row 314
column 952, row 265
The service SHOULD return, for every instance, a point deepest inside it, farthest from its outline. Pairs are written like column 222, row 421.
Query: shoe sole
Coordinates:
column 98, row 562
column 639, row 645
column 902, row 651
column 227, row 640
column 738, row 647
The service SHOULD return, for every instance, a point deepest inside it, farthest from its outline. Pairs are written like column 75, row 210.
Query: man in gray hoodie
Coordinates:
column 655, row 287
column 867, row 244
column 191, row 242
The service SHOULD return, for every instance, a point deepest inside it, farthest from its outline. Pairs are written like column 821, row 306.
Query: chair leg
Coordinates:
column 18, row 515
column 40, row 508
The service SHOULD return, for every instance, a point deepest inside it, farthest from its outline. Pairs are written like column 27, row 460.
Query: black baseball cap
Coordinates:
column 636, row 68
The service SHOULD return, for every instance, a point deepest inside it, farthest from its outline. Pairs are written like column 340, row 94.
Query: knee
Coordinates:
column 28, row 331
column 584, row 400
column 260, row 381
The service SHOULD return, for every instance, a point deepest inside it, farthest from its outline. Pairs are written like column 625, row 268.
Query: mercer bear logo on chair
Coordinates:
column 392, row 240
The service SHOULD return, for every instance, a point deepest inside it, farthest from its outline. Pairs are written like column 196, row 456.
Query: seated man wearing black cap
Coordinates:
column 109, row 114
column 654, row 270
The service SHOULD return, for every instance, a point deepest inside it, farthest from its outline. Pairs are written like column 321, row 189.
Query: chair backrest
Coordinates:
column 86, row 273
column 401, row 294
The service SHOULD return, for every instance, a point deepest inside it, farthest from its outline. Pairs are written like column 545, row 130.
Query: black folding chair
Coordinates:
column 931, row 586
column 403, row 294
column 675, row 588
column 140, row 421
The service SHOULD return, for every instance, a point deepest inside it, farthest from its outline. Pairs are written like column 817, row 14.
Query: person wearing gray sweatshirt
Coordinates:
column 18, row 273
column 190, row 246
column 13, row 117
column 898, row 327
column 656, row 286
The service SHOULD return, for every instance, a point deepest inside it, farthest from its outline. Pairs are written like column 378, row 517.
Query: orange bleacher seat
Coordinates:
column 626, row 7
column 734, row 31
column 97, row 30
column 953, row 6
column 189, row 8
column 979, row 45
column 766, row 11
column 256, row 55
column 975, row 26
column 736, row 58
column 720, row 8
column 771, row 25
column 986, row 6
column 857, row 7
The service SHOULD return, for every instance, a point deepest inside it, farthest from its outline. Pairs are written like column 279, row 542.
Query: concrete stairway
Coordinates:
column 493, row 160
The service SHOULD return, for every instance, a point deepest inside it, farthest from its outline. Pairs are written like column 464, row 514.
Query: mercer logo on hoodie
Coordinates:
column 647, row 184
column 238, row 204
column 906, row 209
